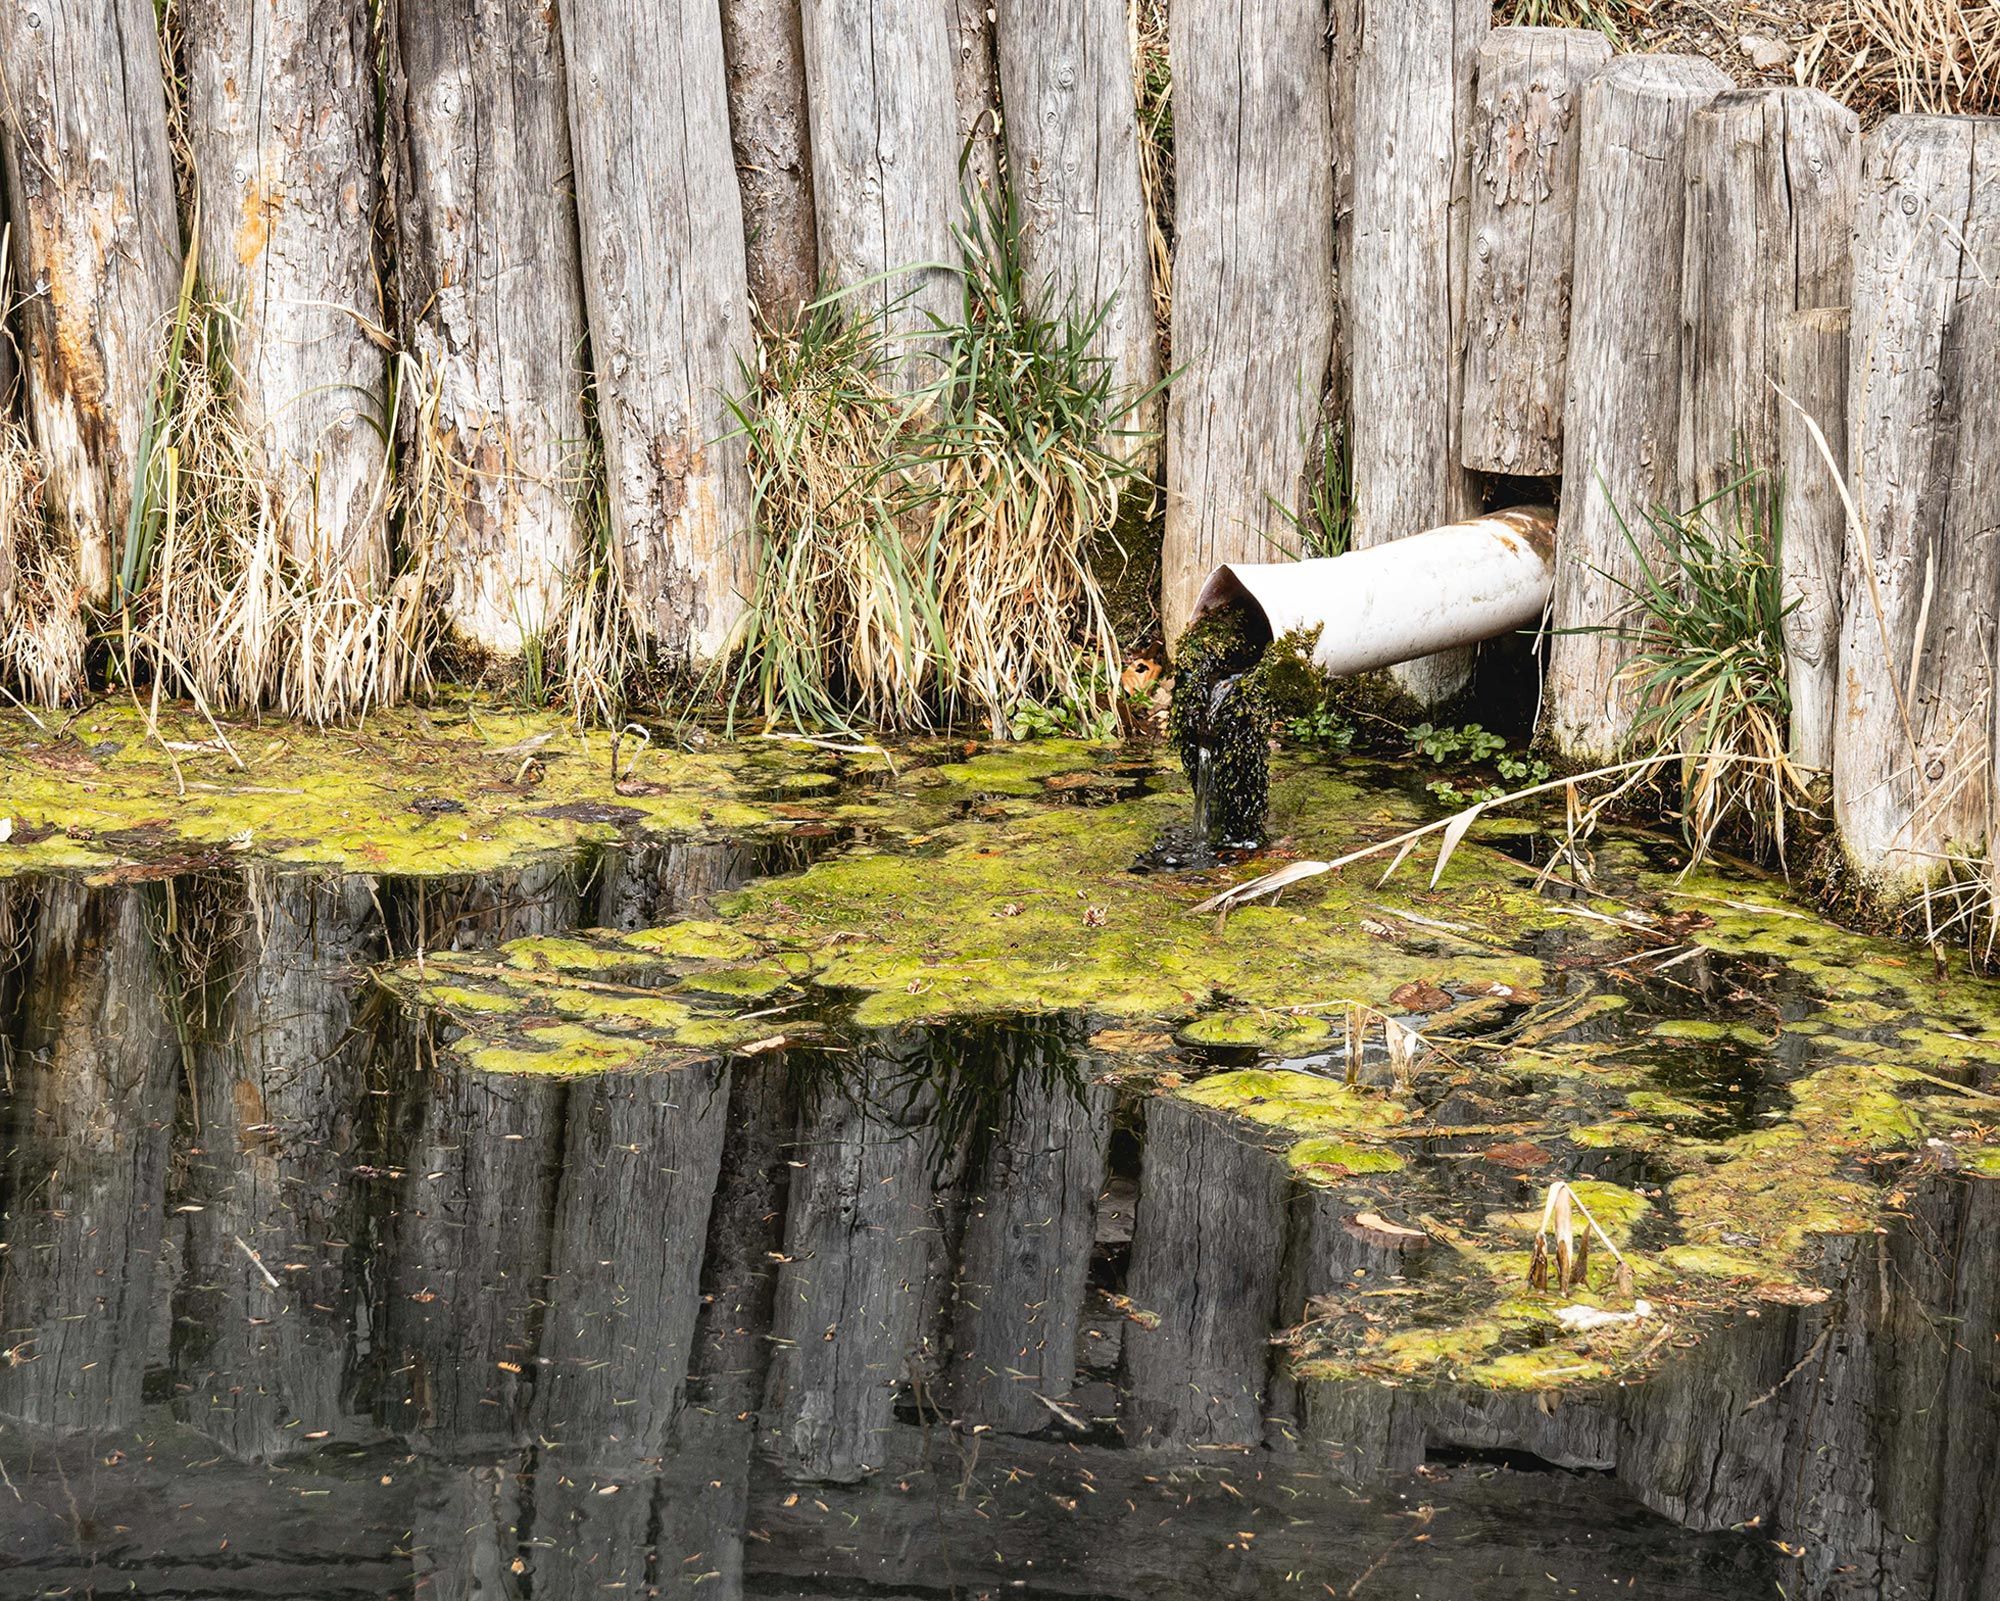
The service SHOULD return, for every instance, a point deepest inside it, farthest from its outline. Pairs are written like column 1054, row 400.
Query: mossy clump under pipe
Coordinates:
column 1219, row 722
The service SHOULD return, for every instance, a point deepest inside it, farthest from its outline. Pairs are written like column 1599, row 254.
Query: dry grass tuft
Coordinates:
column 42, row 634
column 216, row 601
column 1908, row 55
column 1153, row 85
column 925, row 555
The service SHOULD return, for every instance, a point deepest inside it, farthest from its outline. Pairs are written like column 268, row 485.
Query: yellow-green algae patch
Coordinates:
column 1327, row 1157
column 1280, row 1032
column 1299, row 1103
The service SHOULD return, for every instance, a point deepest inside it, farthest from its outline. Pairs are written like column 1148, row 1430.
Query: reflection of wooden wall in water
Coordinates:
column 266, row 1307
column 94, row 1065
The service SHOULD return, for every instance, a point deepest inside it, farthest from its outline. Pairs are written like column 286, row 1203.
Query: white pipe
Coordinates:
column 1393, row 603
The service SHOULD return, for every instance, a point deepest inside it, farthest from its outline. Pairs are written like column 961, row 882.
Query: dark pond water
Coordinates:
column 296, row 1306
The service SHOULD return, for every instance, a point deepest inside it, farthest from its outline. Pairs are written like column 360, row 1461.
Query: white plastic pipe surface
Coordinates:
column 1393, row 603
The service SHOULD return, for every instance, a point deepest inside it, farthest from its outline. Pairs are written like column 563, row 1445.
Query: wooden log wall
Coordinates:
column 1622, row 415
column 96, row 249
column 1771, row 177
column 282, row 124
column 1403, row 281
column 1524, row 157
column 1253, row 283
column 490, row 292
column 1913, row 720
column 766, row 54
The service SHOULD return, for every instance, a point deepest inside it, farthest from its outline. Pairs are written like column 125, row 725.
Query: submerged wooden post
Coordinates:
column 1073, row 159
column 1913, row 721
column 1621, row 421
column 666, row 286
column 1812, row 375
column 282, row 120
column 767, row 123
column 96, row 249
column 83, row 1156
column 1253, row 283
column 1771, row 177
column 1403, row 282
column 491, row 297
column 885, row 168
column 1524, row 145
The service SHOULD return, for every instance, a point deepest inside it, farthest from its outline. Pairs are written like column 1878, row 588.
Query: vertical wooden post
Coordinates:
column 1073, row 161
column 1913, row 720
column 666, row 285
column 1812, row 374
column 1253, row 282
column 1524, row 144
column 96, row 247
column 975, row 71
column 491, row 297
column 767, row 124
column 885, row 167
column 1403, row 282
column 282, row 120
column 1771, row 177
column 1621, row 421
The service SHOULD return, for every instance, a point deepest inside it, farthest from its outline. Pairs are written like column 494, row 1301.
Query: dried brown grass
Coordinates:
column 1152, row 86
column 42, row 633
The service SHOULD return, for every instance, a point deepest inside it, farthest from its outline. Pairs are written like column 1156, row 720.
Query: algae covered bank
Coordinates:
column 455, row 1148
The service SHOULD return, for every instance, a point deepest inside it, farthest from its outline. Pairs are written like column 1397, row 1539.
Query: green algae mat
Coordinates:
column 1685, row 1084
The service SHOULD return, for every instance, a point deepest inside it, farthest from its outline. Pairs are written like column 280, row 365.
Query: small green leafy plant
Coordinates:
column 1323, row 728
column 1456, row 747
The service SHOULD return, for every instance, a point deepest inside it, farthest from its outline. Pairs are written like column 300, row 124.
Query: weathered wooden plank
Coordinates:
column 1523, row 222
column 90, row 1109
column 858, row 1236
column 1403, row 282
column 1073, row 158
column 1026, row 1251
column 879, row 80
column 282, row 123
column 1912, row 742
column 1621, row 420
column 975, row 72
column 1812, row 375
column 1771, row 176
column 96, row 248
column 490, row 292
column 262, row 1349
column 767, row 122
column 1206, row 1256
column 667, row 289
column 1253, row 282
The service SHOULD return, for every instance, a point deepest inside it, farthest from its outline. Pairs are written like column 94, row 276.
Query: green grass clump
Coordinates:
column 925, row 550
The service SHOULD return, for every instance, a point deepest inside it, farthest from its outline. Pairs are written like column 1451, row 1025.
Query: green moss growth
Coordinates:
column 1282, row 1033
column 1298, row 1103
column 1324, row 1157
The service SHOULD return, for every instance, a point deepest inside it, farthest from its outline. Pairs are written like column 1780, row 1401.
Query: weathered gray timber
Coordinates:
column 1523, row 222
column 667, row 288
column 1073, row 158
column 282, row 122
column 975, row 72
column 1403, row 282
column 879, row 80
column 858, row 1236
column 1812, row 375
column 767, row 123
column 1253, row 283
column 1771, row 180
column 96, row 248
column 490, row 292
column 1211, row 1205
column 1912, row 743
column 1026, row 1252
column 262, row 1348
column 1621, row 421
column 89, row 1117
